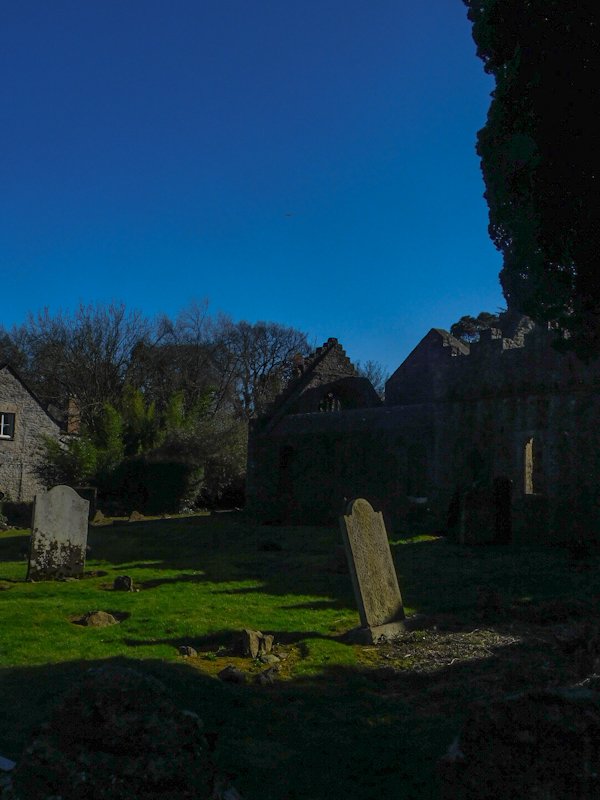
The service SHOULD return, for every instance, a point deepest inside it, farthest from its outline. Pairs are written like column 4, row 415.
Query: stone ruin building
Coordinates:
column 496, row 441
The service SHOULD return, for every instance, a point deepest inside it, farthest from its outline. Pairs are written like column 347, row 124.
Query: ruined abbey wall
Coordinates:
column 458, row 422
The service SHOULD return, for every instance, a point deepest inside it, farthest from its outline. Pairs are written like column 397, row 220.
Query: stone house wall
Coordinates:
column 20, row 454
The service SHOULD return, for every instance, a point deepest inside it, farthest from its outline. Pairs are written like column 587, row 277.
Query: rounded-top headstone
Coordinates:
column 58, row 534
column 371, row 566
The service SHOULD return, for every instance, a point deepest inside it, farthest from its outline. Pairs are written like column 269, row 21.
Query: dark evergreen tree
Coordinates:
column 539, row 157
column 468, row 328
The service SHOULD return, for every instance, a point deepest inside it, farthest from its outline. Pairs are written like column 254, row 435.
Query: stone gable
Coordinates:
column 511, row 419
column 21, row 444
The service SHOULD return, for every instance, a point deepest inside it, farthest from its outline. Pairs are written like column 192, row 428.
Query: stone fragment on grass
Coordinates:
column 268, row 658
column 251, row 643
column 232, row 674
column 187, row 650
column 267, row 676
column 135, row 516
column 123, row 583
column 97, row 619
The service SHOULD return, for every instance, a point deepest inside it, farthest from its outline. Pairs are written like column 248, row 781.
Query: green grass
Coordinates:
column 336, row 725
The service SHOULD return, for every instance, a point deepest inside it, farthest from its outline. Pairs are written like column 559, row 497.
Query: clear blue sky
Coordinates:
column 310, row 162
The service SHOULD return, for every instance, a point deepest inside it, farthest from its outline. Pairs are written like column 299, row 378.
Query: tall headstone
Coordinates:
column 58, row 534
column 373, row 574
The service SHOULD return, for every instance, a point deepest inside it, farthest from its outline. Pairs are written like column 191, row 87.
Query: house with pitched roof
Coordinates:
column 24, row 423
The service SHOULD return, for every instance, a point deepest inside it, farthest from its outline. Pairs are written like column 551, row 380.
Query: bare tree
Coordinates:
column 178, row 358
column 376, row 373
column 84, row 355
column 254, row 362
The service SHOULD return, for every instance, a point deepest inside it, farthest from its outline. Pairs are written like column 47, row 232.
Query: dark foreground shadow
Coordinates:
column 346, row 732
column 323, row 738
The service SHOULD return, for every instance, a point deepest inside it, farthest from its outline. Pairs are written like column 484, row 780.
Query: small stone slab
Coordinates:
column 58, row 534
column 97, row 619
column 268, row 658
column 252, row 643
column 123, row 583
column 373, row 574
column 232, row 674
column 267, row 676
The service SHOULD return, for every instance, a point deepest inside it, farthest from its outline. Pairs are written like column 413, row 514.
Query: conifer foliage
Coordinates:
column 539, row 157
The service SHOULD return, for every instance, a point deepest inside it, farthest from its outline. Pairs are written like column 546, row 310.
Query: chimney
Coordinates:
column 73, row 417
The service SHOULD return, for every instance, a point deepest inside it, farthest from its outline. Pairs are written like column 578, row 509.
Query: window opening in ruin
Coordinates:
column 7, row 425
column 528, row 458
column 330, row 403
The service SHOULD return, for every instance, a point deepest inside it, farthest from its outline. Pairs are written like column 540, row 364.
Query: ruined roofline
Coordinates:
column 454, row 347
column 307, row 367
column 448, row 340
column 488, row 337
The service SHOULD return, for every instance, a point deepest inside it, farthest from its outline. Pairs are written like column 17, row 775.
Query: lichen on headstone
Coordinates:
column 58, row 534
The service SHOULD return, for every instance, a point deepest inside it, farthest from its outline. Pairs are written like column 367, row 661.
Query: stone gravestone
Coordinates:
column 58, row 534
column 373, row 574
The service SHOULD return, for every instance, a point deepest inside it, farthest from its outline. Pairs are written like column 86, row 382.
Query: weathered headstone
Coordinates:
column 58, row 534
column 373, row 575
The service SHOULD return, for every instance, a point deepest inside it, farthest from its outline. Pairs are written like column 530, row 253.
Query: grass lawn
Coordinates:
column 343, row 720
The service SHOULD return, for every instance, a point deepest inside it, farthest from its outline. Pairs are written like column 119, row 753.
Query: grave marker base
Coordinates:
column 376, row 634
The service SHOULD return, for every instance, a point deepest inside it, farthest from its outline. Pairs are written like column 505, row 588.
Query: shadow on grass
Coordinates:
column 183, row 577
column 352, row 733
column 434, row 575
column 331, row 736
column 225, row 549
column 317, row 605
column 226, row 640
column 347, row 732
column 14, row 548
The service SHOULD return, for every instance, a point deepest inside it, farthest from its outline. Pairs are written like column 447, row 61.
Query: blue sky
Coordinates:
column 311, row 163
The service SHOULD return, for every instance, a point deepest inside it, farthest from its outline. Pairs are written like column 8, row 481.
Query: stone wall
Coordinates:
column 20, row 455
column 508, row 417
